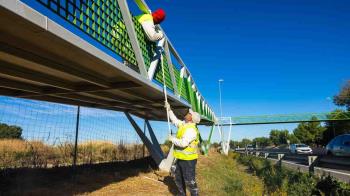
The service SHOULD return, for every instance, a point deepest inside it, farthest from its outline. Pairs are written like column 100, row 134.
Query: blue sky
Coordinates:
column 276, row 57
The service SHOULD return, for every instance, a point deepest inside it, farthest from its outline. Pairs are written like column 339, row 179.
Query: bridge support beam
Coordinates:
column 153, row 147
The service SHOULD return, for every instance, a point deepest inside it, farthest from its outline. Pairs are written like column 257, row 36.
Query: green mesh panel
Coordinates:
column 159, row 76
column 100, row 19
column 148, row 48
column 181, row 84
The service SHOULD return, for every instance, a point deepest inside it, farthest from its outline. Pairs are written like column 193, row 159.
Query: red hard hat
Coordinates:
column 158, row 16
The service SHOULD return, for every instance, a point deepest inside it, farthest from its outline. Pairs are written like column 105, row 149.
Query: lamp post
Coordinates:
column 220, row 80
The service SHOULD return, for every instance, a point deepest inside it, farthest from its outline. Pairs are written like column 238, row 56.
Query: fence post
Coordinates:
column 143, row 144
column 266, row 155
column 280, row 157
column 311, row 162
column 76, row 138
column 257, row 154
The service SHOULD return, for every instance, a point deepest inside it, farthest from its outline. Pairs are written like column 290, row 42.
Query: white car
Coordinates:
column 300, row 149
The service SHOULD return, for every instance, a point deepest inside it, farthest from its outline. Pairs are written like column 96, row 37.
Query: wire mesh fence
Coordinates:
column 42, row 134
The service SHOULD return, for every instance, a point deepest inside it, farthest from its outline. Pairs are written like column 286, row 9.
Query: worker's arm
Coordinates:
column 153, row 33
column 172, row 116
column 187, row 138
column 174, row 119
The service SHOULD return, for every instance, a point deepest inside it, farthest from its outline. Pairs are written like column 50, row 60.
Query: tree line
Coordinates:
column 310, row 133
column 10, row 131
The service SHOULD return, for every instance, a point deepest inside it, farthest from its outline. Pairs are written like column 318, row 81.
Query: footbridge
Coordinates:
column 273, row 119
column 285, row 118
column 91, row 53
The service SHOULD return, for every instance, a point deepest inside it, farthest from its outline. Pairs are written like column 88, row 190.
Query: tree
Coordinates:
column 10, row 132
column 278, row 137
column 309, row 132
column 262, row 141
column 245, row 142
column 293, row 139
column 334, row 128
column 343, row 98
column 274, row 136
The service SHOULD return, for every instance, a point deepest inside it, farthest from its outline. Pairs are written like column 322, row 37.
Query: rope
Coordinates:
column 182, row 81
column 165, row 92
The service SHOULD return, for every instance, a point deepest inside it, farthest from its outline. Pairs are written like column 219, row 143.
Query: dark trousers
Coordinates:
column 185, row 175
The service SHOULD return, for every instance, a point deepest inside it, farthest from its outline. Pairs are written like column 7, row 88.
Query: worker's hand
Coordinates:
column 160, row 49
column 167, row 106
column 171, row 138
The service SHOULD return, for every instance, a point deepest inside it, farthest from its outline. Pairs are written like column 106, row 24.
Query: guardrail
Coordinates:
column 338, row 167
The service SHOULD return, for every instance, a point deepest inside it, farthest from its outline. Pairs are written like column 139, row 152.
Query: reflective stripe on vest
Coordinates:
column 190, row 152
column 144, row 17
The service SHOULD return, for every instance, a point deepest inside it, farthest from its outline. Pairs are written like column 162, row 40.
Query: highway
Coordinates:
column 323, row 165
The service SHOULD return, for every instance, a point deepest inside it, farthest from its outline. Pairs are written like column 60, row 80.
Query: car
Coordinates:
column 249, row 147
column 300, row 149
column 339, row 146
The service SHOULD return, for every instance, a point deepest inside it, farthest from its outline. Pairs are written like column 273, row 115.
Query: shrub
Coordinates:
column 329, row 186
column 283, row 181
column 10, row 132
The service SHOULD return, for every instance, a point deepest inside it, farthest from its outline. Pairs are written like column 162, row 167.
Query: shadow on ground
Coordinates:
column 169, row 181
column 71, row 181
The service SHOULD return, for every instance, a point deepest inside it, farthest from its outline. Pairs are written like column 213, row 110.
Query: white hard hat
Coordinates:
column 196, row 118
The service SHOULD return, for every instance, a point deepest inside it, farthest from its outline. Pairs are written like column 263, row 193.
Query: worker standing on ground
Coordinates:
column 149, row 21
column 185, row 150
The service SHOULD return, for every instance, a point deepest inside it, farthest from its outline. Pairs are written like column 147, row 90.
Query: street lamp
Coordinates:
column 220, row 80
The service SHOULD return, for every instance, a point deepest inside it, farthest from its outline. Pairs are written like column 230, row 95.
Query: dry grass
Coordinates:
column 20, row 153
column 216, row 175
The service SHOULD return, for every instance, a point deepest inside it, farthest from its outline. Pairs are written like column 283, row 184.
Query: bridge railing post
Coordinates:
column 133, row 37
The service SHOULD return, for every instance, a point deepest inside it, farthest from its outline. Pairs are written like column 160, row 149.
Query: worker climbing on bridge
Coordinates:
column 185, row 150
column 149, row 22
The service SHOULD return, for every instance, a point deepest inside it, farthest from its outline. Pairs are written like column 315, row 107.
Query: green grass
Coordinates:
column 222, row 175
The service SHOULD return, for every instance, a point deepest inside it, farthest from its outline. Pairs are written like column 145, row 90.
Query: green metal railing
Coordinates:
column 103, row 21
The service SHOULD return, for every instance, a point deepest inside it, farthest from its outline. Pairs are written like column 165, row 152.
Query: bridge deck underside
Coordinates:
column 43, row 61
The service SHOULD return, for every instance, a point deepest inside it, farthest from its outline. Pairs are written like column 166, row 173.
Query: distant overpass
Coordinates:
column 285, row 118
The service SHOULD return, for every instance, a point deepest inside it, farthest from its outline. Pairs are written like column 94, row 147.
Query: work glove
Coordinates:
column 171, row 138
column 167, row 106
column 160, row 49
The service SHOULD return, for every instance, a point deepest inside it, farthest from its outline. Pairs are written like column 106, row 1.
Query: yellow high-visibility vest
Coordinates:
column 191, row 151
column 144, row 17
